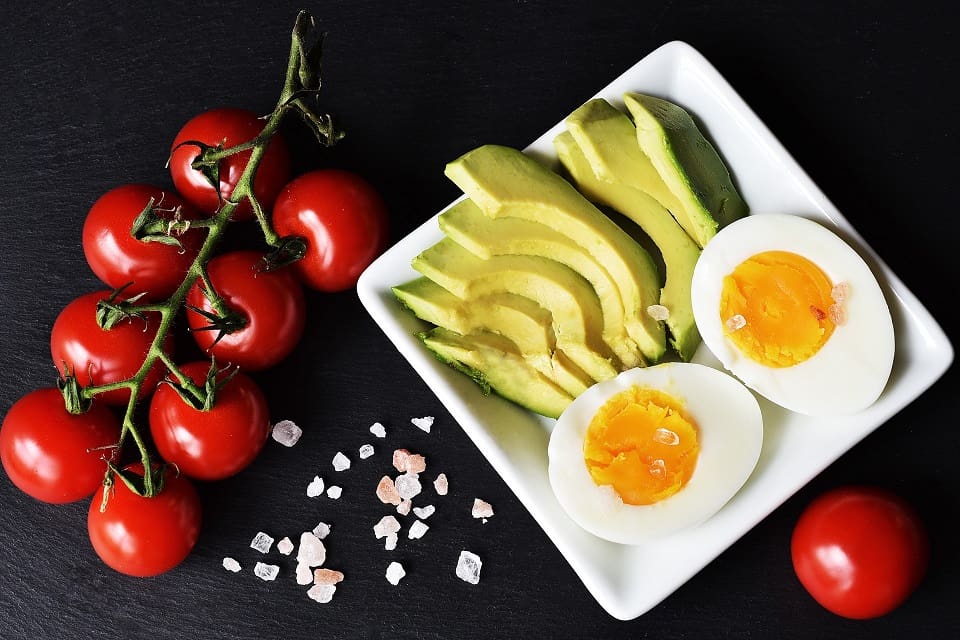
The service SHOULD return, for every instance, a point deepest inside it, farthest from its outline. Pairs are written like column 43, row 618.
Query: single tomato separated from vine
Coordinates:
column 268, row 308
column 118, row 258
column 344, row 221
column 228, row 127
column 141, row 536
column 860, row 551
column 96, row 356
column 215, row 442
column 54, row 455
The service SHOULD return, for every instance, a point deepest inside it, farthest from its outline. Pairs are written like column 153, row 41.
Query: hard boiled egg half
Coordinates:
column 795, row 313
column 654, row 450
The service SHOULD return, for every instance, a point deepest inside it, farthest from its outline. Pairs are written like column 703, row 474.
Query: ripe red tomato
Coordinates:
column 145, row 536
column 229, row 127
column 342, row 218
column 860, row 551
column 271, row 303
column 118, row 258
column 215, row 443
column 94, row 356
column 53, row 455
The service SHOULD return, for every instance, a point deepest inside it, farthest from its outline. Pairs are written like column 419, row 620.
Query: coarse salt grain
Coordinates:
column 378, row 430
column 327, row 576
column 468, row 567
column 315, row 488
column 341, row 462
column 386, row 526
column 390, row 543
column 400, row 459
column 838, row 314
column 735, row 323
column 404, row 507
column 366, row 451
column 286, row 432
column 424, row 512
column 387, row 491
column 285, row 546
column 417, row 529
column 261, row 542
column 441, row 485
column 312, row 551
column 334, row 492
column 322, row 593
column 230, row 564
column 840, row 291
column 322, row 530
column 666, row 436
column 395, row 573
column 423, row 423
column 405, row 461
column 408, row 486
column 304, row 573
column 658, row 312
column 481, row 509
column 266, row 571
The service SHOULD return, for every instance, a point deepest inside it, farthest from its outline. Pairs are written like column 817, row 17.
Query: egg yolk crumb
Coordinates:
column 643, row 444
column 782, row 303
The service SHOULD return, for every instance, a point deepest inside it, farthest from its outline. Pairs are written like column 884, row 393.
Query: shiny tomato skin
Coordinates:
column 117, row 258
column 231, row 127
column 344, row 221
column 216, row 443
column 145, row 537
column 272, row 303
column 53, row 455
column 860, row 551
column 97, row 356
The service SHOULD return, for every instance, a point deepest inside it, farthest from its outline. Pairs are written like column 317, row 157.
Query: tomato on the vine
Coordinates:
column 96, row 356
column 860, row 551
column 227, row 127
column 54, row 455
column 344, row 221
column 118, row 258
column 212, row 443
column 269, row 304
column 142, row 536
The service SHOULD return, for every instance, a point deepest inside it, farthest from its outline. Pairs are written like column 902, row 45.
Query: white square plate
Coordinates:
column 629, row 580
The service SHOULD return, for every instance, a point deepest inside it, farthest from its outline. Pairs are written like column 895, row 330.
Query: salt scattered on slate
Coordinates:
column 322, row 530
column 378, row 430
column 261, row 542
column 408, row 486
column 417, row 529
column 341, row 462
column 266, row 571
column 424, row 512
column 441, row 485
column 287, row 433
column 468, row 567
column 315, row 488
column 334, row 492
column 312, row 552
column 386, row 526
column 395, row 573
column 366, row 451
column 231, row 565
column 322, row 593
column 423, row 423
column 481, row 509
column 285, row 546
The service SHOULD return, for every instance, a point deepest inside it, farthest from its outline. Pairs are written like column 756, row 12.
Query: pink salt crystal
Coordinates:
column 416, row 463
column 481, row 509
column 404, row 507
column 838, row 314
column 735, row 323
column 657, row 468
column 322, row 593
column 440, row 485
column 386, row 526
column 400, row 459
column 840, row 291
column 327, row 576
column 666, row 436
column 387, row 491
column 304, row 573
column 285, row 546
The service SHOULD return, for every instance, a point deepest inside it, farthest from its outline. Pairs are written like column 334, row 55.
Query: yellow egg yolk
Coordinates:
column 775, row 308
column 643, row 444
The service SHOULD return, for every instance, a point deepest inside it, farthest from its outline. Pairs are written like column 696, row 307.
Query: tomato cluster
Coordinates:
column 156, row 252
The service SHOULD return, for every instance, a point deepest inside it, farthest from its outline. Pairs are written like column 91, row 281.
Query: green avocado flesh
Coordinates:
column 494, row 362
column 688, row 164
column 608, row 146
column 504, row 182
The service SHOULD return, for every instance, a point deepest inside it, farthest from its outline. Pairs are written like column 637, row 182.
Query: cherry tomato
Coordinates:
column 229, row 127
column 145, row 536
column 215, row 443
column 271, row 304
column 118, row 258
column 860, row 551
column 342, row 218
column 96, row 356
column 53, row 455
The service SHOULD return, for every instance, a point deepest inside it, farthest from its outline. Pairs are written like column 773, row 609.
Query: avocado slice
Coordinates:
column 467, row 225
column 688, row 164
column 495, row 364
column 505, row 182
column 575, row 308
column 611, row 143
column 519, row 319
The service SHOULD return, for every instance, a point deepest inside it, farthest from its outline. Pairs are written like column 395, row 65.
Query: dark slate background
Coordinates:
column 91, row 94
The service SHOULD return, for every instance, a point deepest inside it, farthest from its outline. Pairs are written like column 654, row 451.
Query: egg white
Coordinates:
column 730, row 431
column 851, row 369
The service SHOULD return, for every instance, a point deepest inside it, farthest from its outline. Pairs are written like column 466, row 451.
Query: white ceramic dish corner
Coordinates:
column 627, row 581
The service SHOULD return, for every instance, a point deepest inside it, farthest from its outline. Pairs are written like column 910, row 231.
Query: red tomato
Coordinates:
column 271, row 304
column 218, row 442
column 342, row 218
column 860, row 551
column 117, row 258
column 95, row 356
column 145, row 536
column 53, row 455
column 229, row 127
